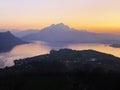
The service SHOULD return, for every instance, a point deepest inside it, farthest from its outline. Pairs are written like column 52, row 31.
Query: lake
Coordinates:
column 39, row 48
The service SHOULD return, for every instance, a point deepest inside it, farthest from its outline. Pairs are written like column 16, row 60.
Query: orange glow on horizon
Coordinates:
column 75, row 26
column 91, row 15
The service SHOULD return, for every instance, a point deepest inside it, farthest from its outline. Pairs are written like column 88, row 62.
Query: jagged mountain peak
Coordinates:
column 59, row 26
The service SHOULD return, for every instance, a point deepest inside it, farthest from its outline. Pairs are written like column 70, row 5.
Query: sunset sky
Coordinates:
column 92, row 15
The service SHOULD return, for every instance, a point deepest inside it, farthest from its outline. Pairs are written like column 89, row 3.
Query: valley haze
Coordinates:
column 60, row 33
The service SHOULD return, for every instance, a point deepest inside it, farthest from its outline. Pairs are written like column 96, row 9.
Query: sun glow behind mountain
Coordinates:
column 93, row 15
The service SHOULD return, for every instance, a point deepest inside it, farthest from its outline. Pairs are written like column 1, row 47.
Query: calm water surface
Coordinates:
column 39, row 48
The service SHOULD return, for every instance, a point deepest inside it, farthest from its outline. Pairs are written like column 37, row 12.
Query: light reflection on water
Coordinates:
column 98, row 47
column 23, row 51
column 39, row 48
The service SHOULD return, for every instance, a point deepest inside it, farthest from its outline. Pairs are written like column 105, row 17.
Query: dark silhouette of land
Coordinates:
column 115, row 45
column 64, row 69
column 8, row 41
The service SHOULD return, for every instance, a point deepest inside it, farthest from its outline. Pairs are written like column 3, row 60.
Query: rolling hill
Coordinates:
column 8, row 41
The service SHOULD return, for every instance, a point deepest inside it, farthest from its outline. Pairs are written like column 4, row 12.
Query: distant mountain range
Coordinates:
column 64, row 34
column 21, row 34
column 8, row 41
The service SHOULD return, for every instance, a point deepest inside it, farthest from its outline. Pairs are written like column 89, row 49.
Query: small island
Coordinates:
column 115, row 45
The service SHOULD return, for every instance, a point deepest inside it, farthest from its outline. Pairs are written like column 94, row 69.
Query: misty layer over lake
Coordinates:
column 39, row 48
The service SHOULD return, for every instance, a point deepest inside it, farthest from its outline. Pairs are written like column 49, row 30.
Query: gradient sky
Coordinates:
column 93, row 15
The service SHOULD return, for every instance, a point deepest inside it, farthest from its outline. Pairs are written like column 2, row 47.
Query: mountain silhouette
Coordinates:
column 8, row 41
column 20, row 34
column 62, row 33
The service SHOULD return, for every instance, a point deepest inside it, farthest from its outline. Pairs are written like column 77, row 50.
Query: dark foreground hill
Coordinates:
column 65, row 60
column 8, row 41
column 63, row 70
